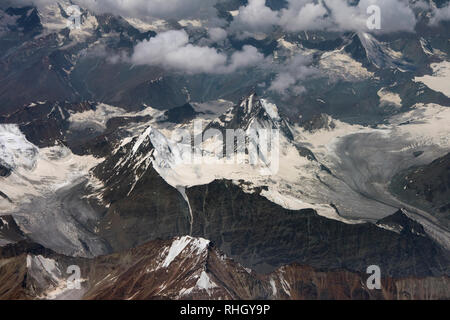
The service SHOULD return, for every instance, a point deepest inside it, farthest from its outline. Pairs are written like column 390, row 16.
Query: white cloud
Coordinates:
column 217, row 34
column 291, row 74
column 440, row 14
column 173, row 51
column 255, row 17
column 304, row 15
column 249, row 56
column 331, row 15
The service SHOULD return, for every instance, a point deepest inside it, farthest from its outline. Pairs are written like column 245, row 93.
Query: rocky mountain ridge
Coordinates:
column 190, row 268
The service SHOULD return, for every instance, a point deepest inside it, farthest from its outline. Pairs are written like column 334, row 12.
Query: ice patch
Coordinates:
column 341, row 65
column 212, row 109
column 427, row 49
column 102, row 114
column 284, row 284
column 292, row 203
column 192, row 23
column 15, row 150
column 47, row 265
column 271, row 110
column 197, row 246
column 287, row 45
column 98, row 117
column 157, row 25
column 141, row 139
column 440, row 79
column 274, row 287
column 424, row 125
column 205, row 283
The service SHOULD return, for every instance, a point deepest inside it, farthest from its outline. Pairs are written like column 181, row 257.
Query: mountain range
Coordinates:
column 94, row 174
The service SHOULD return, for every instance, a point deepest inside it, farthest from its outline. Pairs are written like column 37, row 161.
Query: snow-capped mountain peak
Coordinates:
column 252, row 113
column 366, row 48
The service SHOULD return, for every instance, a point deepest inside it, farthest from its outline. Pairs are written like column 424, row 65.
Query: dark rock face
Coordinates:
column 142, row 206
column 356, row 49
column 144, row 273
column 4, row 171
column 181, row 114
column 317, row 122
column 427, row 187
column 23, row 247
column 28, row 21
column 109, row 24
column 9, row 230
column 262, row 235
column 232, row 281
column 44, row 124
column 400, row 222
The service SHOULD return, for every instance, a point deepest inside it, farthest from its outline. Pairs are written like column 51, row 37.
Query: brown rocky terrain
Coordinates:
column 189, row 268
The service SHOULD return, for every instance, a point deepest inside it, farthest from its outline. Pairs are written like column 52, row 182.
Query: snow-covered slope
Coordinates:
column 37, row 172
column 294, row 184
column 16, row 152
column 338, row 64
column 54, row 18
column 50, row 279
column 440, row 79
column 38, row 193
column 301, row 182
column 380, row 54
